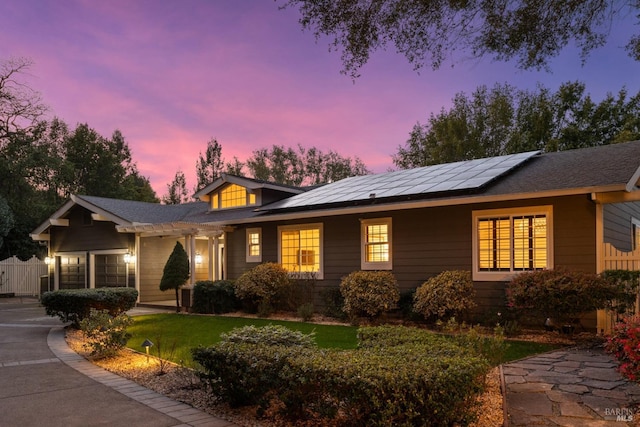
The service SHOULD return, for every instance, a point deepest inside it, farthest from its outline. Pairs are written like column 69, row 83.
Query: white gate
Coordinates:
column 21, row 277
column 614, row 259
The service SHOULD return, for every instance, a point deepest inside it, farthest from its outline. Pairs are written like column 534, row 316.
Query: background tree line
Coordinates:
column 505, row 120
column 284, row 165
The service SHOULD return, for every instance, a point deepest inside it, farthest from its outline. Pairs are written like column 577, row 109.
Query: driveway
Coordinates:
column 43, row 382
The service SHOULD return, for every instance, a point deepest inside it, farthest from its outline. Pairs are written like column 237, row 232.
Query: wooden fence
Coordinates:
column 614, row 259
column 21, row 277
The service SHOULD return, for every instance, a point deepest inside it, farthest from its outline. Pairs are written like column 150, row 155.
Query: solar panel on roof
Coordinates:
column 465, row 175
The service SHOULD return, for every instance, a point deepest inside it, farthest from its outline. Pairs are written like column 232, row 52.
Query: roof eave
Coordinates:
column 96, row 209
column 634, row 182
column 426, row 203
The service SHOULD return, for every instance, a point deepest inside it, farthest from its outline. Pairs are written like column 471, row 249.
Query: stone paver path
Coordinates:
column 570, row 387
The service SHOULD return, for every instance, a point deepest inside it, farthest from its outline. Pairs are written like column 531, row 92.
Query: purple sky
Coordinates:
column 173, row 74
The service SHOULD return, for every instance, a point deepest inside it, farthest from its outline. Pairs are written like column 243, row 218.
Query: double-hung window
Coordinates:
column 254, row 245
column 300, row 248
column 375, row 244
column 508, row 241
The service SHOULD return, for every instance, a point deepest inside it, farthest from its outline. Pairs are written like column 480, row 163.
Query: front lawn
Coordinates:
column 188, row 331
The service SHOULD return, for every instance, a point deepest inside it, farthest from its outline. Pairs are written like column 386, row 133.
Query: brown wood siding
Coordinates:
column 617, row 224
column 154, row 253
column 427, row 241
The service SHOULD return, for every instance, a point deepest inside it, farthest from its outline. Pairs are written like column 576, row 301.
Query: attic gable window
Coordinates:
column 508, row 241
column 232, row 196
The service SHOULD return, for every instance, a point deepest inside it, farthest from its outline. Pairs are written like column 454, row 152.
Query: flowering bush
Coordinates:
column 624, row 344
column 369, row 293
column 448, row 294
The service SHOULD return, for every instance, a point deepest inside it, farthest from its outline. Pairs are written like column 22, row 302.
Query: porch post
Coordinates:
column 212, row 255
column 216, row 257
column 192, row 259
column 136, row 265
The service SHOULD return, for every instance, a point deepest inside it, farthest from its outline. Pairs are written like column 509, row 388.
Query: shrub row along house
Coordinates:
column 494, row 217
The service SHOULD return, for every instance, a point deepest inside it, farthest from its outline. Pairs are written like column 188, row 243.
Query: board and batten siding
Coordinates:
column 85, row 234
column 427, row 241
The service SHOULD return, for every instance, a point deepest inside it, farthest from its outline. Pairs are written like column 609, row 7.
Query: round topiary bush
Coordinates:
column 369, row 293
column 260, row 287
column 446, row 295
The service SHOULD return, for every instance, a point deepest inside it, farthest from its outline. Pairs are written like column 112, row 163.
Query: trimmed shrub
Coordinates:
column 214, row 297
column 369, row 293
column 560, row 294
column 333, row 303
column 106, row 334
column 624, row 343
column 269, row 335
column 260, row 287
column 449, row 294
column 626, row 283
column 301, row 293
column 376, row 385
column 73, row 305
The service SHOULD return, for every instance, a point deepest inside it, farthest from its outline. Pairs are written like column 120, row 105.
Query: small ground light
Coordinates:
column 146, row 344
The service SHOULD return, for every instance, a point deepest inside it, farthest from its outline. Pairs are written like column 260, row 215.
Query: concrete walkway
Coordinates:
column 43, row 382
column 574, row 387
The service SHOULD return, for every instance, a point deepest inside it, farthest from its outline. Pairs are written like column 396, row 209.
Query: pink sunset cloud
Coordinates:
column 171, row 75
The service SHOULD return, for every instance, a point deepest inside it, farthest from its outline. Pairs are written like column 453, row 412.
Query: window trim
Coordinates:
column 476, row 215
column 249, row 257
column 635, row 234
column 375, row 265
column 316, row 225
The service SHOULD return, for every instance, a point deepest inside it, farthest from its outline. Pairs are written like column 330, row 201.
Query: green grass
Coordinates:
column 189, row 331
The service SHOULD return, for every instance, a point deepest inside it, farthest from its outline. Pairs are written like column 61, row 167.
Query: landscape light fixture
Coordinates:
column 146, row 344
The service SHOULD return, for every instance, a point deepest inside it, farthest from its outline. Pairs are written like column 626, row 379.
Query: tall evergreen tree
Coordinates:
column 176, row 272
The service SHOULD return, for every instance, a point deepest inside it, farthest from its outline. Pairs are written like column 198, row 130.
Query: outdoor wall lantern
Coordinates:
column 147, row 344
column 198, row 258
column 48, row 260
column 128, row 258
